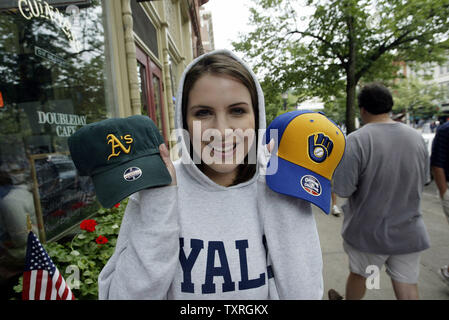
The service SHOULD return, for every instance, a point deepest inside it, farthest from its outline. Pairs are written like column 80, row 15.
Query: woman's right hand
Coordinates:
column 165, row 155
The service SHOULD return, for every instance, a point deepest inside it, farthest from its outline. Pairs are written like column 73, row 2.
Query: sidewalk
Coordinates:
column 430, row 286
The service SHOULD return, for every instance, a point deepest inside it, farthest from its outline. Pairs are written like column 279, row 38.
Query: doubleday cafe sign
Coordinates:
column 66, row 124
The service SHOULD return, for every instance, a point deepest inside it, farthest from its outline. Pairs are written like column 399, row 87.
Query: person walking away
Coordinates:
column 439, row 162
column 335, row 209
column 382, row 174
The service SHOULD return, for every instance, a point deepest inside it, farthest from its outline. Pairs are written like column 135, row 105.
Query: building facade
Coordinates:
column 432, row 73
column 207, row 30
column 65, row 64
column 163, row 37
column 441, row 77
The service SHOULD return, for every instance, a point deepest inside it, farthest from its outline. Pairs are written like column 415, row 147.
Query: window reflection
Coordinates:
column 49, row 89
column 143, row 83
column 157, row 102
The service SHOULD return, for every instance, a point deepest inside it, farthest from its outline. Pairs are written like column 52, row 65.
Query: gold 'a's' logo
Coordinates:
column 116, row 143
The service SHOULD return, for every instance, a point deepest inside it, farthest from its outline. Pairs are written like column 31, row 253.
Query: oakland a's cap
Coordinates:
column 121, row 155
column 309, row 149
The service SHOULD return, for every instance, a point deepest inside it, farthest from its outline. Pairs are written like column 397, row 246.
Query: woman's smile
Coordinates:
column 221, row 108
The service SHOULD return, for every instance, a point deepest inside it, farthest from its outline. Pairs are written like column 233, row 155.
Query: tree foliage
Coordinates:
column 328, row 51
column 417, row 98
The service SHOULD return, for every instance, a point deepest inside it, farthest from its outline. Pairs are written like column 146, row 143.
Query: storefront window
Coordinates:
column 150, row 84
column 142, row 77
column 173, row 67
column 54, row 79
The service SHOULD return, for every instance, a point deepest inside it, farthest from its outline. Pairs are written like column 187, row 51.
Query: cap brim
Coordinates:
column 111, row 187
column 299, row 182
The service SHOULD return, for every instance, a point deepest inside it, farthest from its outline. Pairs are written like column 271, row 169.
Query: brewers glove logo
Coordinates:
column 320, row 147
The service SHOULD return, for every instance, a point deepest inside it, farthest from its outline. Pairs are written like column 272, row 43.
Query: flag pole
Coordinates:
column 29, row 224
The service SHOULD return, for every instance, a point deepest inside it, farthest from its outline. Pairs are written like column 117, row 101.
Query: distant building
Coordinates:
column 441, row 76
column 436, row 74
column 207, row 30
column 194, row 10
column 311, row 104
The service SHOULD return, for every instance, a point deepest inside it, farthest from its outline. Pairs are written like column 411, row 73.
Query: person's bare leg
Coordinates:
column 405, row 291
column 334, row 198
column 334, row 207
column 355, row 287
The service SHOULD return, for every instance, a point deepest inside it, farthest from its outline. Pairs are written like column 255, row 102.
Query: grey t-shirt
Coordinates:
column 382, row 174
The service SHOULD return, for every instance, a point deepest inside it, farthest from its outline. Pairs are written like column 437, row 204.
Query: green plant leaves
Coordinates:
column 85, row 254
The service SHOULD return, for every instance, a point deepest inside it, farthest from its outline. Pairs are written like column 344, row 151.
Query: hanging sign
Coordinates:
column 32, row 9
column 49, row 56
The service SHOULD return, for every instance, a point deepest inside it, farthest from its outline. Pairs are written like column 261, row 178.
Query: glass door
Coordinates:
column 151, row 89
column 143, row 83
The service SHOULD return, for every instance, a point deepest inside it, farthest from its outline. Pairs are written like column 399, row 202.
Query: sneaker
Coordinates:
column 334, row 295
column 444, row 274
column 336, row 211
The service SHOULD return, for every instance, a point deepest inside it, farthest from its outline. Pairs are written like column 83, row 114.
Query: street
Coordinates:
column 430, row 285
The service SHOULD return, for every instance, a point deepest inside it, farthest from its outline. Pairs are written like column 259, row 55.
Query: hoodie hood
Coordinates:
column 186, row 160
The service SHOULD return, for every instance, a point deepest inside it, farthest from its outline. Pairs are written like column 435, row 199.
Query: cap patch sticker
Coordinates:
column 132, row 174
column 311, row 185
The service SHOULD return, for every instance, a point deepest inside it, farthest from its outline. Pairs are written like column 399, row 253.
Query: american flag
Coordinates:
column 41, row 278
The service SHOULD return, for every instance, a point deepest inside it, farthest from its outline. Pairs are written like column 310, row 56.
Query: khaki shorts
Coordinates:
column 401, row 268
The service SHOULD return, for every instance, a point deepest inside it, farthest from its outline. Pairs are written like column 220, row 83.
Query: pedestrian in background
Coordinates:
column 335, row 209
column 439, row 162
column 382, row 174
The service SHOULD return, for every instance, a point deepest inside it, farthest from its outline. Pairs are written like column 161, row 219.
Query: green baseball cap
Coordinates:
column 121, row 155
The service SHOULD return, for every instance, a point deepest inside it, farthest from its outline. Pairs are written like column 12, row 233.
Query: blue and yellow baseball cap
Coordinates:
column 309, row 149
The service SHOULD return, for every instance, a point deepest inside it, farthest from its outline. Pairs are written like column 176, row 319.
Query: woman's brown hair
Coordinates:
column 222, row 64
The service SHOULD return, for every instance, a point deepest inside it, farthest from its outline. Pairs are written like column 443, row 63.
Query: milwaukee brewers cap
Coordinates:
column 309, row 149
column 121, row 155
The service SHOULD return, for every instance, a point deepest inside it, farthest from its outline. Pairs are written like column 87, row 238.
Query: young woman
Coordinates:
column 218, row 231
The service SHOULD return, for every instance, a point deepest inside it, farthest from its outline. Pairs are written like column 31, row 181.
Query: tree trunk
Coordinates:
column 350, row 103
column 351, row 81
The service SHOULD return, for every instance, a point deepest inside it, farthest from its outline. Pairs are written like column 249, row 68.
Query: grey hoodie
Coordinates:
column 201, row 240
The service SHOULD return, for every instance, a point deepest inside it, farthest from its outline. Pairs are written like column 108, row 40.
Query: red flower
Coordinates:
column 88, row 225
column 77, row 205
column 57, row 213
column 117, row 205
column 101, row 240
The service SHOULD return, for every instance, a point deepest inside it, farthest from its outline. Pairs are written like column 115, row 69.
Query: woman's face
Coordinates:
column 220, row 112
